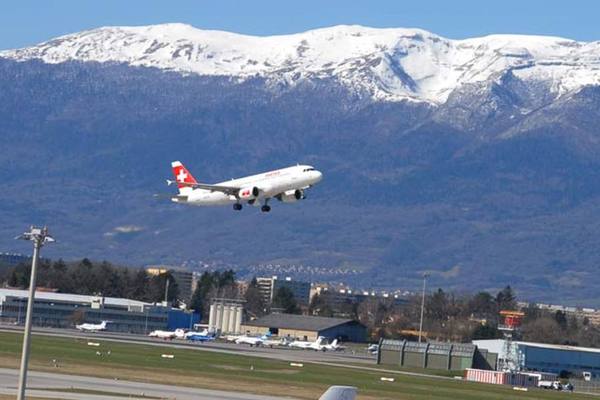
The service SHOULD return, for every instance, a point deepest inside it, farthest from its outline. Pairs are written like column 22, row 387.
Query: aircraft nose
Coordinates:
column 318, row 176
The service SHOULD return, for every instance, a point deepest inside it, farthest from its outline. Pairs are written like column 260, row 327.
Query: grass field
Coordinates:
column 213, row 370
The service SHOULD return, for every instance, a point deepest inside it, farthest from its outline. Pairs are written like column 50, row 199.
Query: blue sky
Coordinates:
column 26, row 22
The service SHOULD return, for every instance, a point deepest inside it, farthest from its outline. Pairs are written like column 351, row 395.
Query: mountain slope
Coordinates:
column 493, row 183
column 386, row 64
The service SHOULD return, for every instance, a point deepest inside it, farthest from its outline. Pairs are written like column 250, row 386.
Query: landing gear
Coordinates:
column 237, row 206
column 266, row 207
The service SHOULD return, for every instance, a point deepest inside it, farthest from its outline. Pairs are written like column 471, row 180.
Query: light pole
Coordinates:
column 425, row 275
column 39, row 237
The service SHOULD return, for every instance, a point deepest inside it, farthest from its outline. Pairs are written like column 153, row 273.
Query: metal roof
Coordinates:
column 300, row 322
column 500, row 342
column 71, row 298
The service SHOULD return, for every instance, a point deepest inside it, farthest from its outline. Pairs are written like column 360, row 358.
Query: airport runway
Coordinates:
column 40, row 382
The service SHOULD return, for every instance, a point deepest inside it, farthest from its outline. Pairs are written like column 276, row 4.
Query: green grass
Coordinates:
column 217, row 370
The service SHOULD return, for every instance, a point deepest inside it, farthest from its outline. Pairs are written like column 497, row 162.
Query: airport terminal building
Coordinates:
column 62, row 310
column 306, row 327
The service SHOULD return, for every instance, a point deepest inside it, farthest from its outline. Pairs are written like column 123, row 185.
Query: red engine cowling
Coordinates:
column 248, row 193
column 291, row 196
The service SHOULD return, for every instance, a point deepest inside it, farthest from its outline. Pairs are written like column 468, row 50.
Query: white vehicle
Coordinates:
column 168, row 335
column 373, row 348
column 92, row 327
column 286, row 185
column 316, row 345
column 339, row 393
column 556, row 385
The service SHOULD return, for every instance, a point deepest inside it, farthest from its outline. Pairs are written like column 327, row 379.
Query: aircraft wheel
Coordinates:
column 237, row 206
column 265, row 208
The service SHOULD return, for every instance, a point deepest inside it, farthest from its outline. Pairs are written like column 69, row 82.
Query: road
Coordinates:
column 61, row 387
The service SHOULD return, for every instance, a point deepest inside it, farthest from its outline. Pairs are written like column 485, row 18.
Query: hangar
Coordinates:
column 307, row 327
column 543, row 357
column 434, row 355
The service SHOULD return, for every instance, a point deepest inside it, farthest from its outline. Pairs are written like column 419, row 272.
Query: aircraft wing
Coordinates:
column 230, row 190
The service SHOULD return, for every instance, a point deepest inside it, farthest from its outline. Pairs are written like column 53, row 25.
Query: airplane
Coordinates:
column 276, row 342
column 92, row 327
column 334, row 346
column 203, row 332
column 286, row 185
column 253, row 340
column 317, row 345
column 203, row 336
column 168, row 335
column 340, row 393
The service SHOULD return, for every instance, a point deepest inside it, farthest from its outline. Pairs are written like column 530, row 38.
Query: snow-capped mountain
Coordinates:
column 385, row 64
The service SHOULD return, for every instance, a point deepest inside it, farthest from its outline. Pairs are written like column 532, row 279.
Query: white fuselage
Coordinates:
column 251, row 340
column 91, row 327
column 270, row 184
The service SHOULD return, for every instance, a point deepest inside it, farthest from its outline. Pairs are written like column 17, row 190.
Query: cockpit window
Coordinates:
column 308, row 169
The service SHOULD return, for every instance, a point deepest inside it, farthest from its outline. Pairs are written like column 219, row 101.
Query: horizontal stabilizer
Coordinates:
column 339, row 393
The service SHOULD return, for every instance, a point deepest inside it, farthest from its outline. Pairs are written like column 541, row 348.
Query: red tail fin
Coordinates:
column 182, row 175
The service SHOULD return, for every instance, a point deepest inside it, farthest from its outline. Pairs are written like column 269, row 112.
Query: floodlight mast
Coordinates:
column 425, row 276
column 39, row 237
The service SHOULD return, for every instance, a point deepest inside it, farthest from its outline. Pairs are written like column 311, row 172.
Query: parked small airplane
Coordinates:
column 340, row 393
column 203, row 336
column 253, row 340
column 168, row 335
column 334, row 346
column 286, row 185
column 316, row 345
column 92, row 327
column 203, row 332
column 276, row 342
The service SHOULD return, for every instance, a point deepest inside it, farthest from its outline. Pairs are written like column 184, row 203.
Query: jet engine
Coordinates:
column 249, row 193
column 291, row 196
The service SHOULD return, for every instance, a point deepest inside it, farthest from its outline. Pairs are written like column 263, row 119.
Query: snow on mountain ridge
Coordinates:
column 389, row 64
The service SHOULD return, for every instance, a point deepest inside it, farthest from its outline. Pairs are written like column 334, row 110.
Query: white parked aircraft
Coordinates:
column 340, row 393
column 252, row 340
column 177, row 333
column 92, row 327
column 316, row 345
column 334, row 346
column 286, row 185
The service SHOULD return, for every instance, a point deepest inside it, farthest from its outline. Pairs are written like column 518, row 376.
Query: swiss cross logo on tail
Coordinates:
column 182, row 175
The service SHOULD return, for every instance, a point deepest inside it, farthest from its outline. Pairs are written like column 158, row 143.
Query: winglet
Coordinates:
column 339, row 393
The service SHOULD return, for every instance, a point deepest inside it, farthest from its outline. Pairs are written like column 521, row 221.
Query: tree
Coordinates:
column 561, row 319
column 284, row 299
column 485, row 332
column 319, row 305
column 254, row 299
column 505, row 299
column 482, row 305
